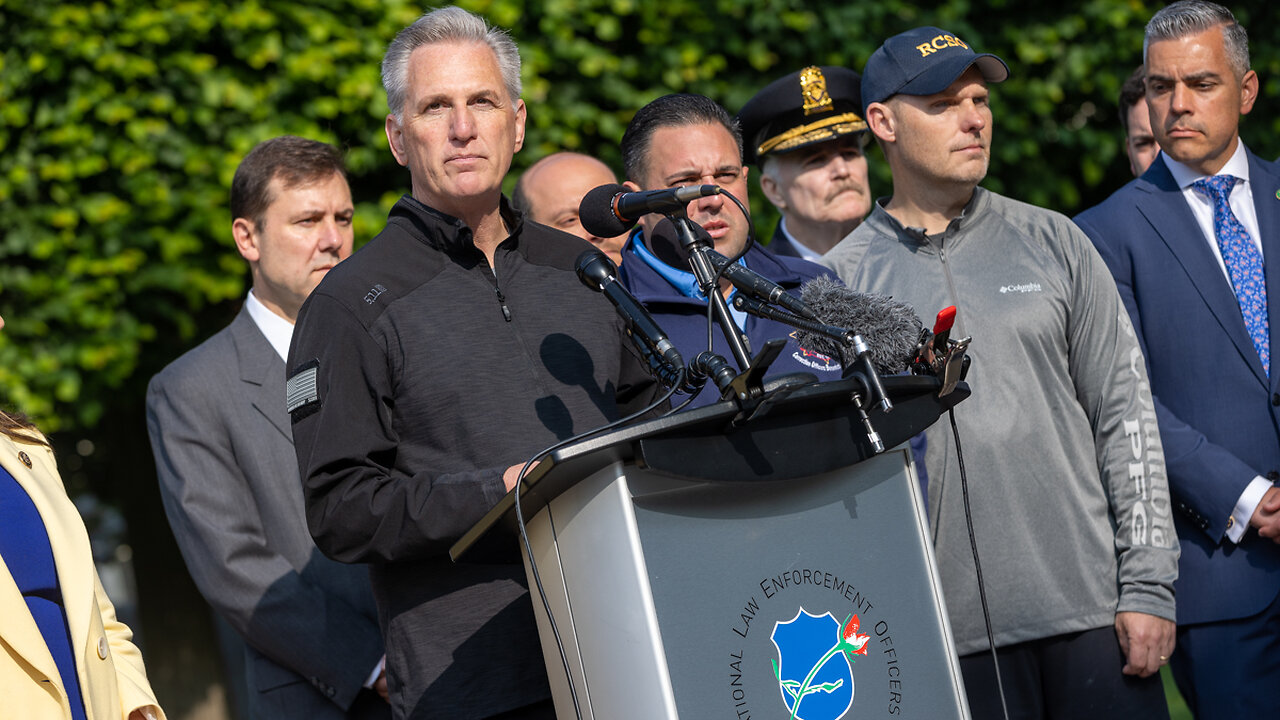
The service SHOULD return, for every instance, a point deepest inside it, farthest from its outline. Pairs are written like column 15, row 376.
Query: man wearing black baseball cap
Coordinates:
column 806, row 133
column 1069, row 497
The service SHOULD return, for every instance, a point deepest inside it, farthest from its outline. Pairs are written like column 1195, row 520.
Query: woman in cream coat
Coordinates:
column 113, row 682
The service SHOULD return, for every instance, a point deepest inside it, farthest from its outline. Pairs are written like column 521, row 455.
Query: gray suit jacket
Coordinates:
column 229, row 480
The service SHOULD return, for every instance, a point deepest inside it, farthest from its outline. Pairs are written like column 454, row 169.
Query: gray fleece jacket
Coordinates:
column 1066, row 473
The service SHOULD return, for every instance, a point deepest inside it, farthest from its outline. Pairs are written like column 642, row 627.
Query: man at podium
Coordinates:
column 434, row 363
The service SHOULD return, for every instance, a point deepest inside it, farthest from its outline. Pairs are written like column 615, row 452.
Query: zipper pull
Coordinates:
column 502, row 300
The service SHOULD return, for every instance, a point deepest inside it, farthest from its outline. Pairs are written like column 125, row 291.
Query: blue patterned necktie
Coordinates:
column 1243, row 261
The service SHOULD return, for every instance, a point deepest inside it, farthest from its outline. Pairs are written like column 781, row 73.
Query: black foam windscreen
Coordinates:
column 890, row 328
column 596, row 214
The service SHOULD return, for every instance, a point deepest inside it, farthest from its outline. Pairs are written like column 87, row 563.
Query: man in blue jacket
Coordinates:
column 690, row 140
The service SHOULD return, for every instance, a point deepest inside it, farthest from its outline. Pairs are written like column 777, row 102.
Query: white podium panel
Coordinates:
column 709, row 599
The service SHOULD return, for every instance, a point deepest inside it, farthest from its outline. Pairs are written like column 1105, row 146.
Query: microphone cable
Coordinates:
column 977, row 566
column 524, row 535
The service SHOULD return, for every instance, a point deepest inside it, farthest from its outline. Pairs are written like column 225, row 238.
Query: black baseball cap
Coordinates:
column 923, row 61
column 809, row 106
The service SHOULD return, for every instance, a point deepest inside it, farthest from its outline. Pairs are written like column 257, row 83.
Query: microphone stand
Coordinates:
column 705, row 272
column 747, row 389
column 865, row 370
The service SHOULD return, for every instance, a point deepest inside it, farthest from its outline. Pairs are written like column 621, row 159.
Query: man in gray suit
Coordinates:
column 224, row 455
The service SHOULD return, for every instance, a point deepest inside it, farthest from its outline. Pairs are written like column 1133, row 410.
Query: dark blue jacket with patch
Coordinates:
column 665, row 291
column 684, row 318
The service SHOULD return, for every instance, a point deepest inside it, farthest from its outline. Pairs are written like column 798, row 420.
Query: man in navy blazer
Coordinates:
column 1217, row 404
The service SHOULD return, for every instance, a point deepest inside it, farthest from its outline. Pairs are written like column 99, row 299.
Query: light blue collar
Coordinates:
column 684, row 282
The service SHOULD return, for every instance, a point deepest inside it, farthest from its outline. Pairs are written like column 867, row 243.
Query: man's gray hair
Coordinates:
column 1191, row 17
column 447, row 24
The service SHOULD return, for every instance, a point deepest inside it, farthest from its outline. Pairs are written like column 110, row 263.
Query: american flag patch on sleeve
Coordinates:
column 302, row 394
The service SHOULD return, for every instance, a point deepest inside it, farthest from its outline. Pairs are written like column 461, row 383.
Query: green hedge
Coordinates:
column 121, row 124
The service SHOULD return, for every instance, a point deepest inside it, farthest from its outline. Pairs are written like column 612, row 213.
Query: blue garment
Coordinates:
column 1219, row 417
column 24, row 545
column 670, row 295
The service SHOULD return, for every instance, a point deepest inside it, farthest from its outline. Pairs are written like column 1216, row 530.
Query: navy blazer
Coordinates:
column 781, row 246
column 1219, row 414
column 684, row 319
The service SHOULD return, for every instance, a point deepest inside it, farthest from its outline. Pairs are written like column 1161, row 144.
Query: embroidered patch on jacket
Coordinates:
column 813, row 359
column 302, row 394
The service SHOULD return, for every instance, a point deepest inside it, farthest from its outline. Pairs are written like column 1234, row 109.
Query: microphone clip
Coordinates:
column 955, row 365
column 946, row 360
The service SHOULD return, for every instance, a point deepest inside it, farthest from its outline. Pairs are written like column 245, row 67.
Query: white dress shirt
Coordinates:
column 803, row 250
column 1241, row 200
column 279, row 331
column 1201, row 205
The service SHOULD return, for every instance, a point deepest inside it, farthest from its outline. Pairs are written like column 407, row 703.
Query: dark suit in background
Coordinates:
column 780, row 244
column 229, row 481
column 1219, row 414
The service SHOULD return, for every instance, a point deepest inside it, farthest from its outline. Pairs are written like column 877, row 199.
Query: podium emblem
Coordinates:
column 815, row 661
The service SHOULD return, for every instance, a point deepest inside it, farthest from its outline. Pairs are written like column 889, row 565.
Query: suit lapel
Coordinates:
column 1265, row 180
column 261, row 372
column 780, row 245
column 1166, row 209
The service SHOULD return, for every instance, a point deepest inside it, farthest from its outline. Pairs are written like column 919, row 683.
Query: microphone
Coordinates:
column 890, row 328
column 610, row 210
column 752, row 282
column 597, row 272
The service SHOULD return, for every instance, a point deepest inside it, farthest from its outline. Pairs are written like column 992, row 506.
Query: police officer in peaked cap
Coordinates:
column 807, row 135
